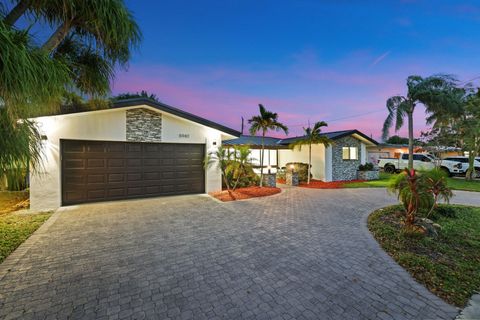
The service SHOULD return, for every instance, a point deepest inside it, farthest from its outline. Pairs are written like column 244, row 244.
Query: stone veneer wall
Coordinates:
column 345, row 169
column 144, row 125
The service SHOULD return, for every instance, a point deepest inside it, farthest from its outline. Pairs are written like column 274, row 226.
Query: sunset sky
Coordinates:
column 336, row 61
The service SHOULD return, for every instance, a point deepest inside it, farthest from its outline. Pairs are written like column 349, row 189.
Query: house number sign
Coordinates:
column 184, row 135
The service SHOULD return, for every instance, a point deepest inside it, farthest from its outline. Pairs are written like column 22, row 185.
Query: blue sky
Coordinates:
column 336, row 61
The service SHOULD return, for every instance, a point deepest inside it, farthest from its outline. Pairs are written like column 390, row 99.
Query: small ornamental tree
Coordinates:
column 413, row 193
column 420, row 192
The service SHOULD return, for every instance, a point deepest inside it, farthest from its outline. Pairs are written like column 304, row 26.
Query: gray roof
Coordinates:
column 254, row 141
column 283, row 143
column 183, row 114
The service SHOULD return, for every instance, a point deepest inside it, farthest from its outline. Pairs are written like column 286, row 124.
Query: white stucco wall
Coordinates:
column 318, row 159
column 363, row 153
column 45, row 187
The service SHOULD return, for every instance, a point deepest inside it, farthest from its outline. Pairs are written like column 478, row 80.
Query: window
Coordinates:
column 418, row 157
column 350, row 153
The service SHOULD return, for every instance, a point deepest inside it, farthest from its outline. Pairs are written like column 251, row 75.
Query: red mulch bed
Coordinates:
column 319, row 184
column 245, row 193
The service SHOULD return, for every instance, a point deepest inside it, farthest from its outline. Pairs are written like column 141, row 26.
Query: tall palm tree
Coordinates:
column 90, row 40
column 432, row 92
column 263, row 122
column 312, row 136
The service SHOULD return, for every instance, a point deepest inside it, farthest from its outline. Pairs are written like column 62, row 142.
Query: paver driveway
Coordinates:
column 303, row 254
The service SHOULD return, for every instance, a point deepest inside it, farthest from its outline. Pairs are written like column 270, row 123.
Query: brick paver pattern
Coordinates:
column 302, row 254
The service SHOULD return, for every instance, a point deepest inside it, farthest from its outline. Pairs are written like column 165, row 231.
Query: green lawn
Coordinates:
column 15, row 228
column 449, row 265
column 454, row 183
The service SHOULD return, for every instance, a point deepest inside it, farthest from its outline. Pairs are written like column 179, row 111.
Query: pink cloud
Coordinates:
column 298, row 93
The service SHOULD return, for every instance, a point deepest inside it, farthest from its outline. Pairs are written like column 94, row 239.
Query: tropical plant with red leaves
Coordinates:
column 413, row 192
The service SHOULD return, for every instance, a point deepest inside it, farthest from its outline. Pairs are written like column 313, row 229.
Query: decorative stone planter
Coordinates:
column 291, row 178
column 368, row 175
column 270, row 179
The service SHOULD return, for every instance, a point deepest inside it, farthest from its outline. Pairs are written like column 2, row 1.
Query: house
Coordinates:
column 337, row 162
column 137, row 148
column 387, row 150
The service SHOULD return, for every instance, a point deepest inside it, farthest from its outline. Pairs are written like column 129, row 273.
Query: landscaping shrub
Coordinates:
column 301, row 168
column 235, row 165
column 366, row 167
column 444, row 211
column 413, row 193
column 247, row 179
column 419, row 193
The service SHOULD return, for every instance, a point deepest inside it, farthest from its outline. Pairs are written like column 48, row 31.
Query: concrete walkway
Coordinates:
column 302, row 254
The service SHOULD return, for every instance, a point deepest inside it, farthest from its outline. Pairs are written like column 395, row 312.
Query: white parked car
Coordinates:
column 421, row 161
column 464, row 161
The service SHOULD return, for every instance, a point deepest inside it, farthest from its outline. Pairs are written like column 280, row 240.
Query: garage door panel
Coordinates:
column 115, row 147
column 74, row 164
column 116, row 192
column 137, row 162
column 95, row 147
column 99, row 170
column 116, row 163
column 134, row 176
column 116, row 177
column 95, row 163
column 134, row 191
column 96, row 194
column 96, row 178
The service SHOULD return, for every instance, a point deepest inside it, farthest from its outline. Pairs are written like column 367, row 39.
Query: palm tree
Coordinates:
column 91, row 39
column 312, row 136
column 265, row 121
column 432, row 92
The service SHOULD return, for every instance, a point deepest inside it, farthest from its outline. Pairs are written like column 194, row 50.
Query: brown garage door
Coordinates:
column 104, row 170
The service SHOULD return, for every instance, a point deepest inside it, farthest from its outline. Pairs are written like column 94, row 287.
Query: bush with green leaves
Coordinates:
column 235, row 165
column 299, row 167
column 366, row 167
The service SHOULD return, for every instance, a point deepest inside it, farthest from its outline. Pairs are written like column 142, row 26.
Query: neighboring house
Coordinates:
column 138, row 148
column 339, row 161
column 387, row 150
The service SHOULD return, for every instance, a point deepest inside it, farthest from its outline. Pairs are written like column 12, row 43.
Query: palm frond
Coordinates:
column 396, row 110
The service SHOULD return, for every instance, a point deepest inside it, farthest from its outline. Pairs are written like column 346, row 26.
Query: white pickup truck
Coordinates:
column 421, row 161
